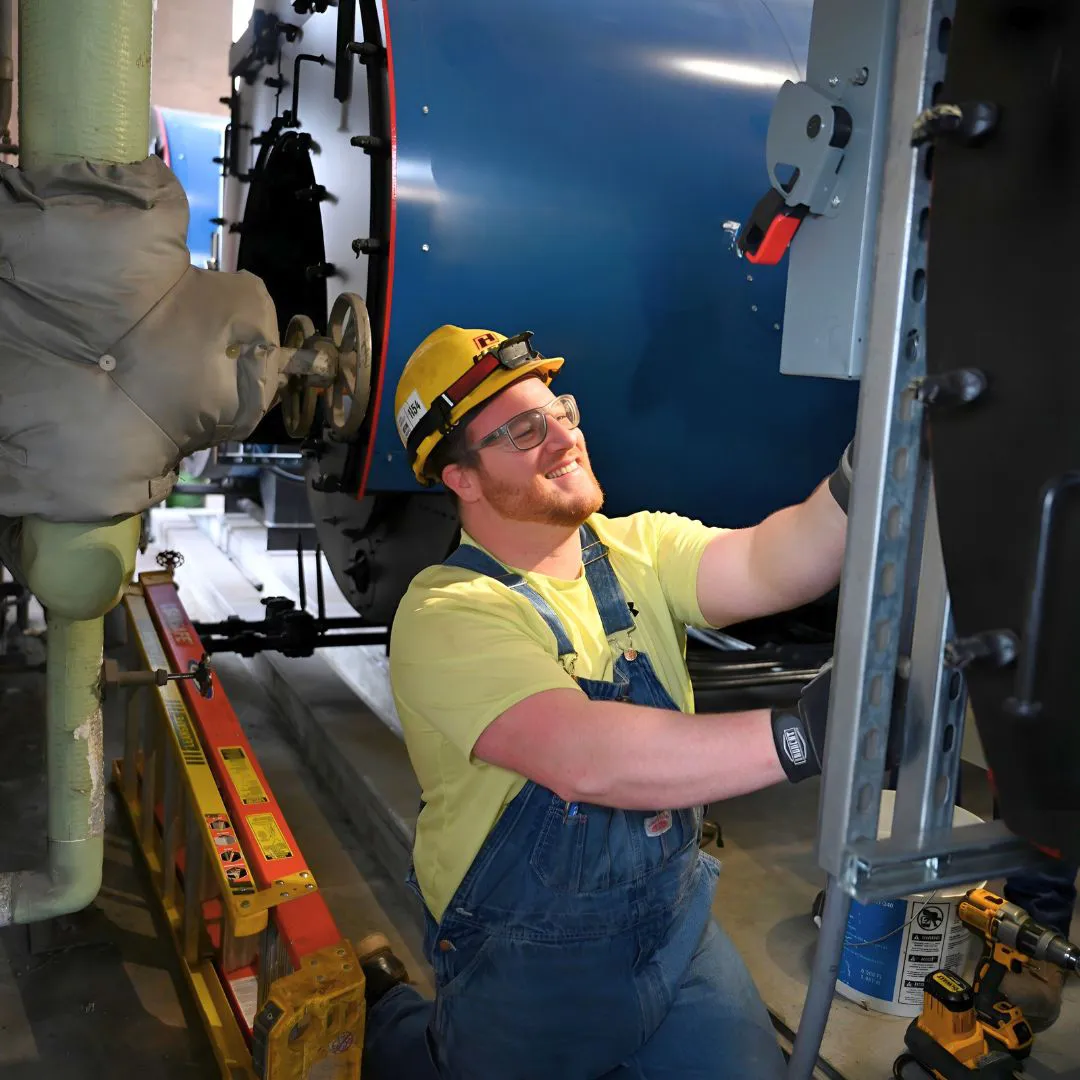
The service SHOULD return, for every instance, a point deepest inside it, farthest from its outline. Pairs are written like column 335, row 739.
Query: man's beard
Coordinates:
column 569, row 509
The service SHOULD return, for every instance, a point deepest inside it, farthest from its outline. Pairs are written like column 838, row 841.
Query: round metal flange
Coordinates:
column 298, row 400
column 349, row 328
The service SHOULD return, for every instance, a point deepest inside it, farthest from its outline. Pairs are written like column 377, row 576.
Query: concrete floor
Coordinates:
column 107, row 989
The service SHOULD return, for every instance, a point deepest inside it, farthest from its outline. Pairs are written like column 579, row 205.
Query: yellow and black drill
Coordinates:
column 967, row 1031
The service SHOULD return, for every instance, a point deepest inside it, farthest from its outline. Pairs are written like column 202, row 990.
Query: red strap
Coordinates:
column 462, row 387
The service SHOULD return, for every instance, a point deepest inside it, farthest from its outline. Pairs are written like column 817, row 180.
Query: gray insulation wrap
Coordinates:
column 113, row 348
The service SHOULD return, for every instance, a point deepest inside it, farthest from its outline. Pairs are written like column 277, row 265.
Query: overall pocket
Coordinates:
column 598, row 849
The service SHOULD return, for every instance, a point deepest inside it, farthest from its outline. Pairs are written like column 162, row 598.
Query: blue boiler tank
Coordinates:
column 578, row 169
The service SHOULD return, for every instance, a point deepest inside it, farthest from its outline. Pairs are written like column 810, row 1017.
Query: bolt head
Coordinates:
column 835, row 200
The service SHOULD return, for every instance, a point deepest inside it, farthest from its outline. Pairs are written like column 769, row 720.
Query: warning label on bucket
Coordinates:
column 936, row 938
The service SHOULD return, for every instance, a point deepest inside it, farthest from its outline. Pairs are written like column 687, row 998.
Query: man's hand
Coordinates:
column 799, row 730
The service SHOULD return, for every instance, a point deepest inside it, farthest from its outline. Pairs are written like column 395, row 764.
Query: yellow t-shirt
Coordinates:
column 464, row 648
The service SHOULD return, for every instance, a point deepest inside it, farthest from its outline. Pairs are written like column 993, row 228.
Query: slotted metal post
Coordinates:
column 893, row 573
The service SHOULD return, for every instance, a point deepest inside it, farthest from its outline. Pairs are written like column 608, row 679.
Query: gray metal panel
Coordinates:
column 832, row 257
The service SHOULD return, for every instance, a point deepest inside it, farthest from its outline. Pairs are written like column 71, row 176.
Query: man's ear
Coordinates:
column 462, row 481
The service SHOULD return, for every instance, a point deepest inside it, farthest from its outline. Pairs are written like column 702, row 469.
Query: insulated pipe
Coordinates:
column 84, row 93
column 84, row 80
column 77, row 572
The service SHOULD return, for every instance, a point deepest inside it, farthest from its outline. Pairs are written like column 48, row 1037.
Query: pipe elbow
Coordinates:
column 70, row 884
column 79, row 571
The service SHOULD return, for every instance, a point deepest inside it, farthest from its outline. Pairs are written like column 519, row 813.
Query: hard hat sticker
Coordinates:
column 409, row 414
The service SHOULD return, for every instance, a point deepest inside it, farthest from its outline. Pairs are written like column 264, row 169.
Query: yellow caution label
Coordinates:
column 247, row 785
column 269, row 837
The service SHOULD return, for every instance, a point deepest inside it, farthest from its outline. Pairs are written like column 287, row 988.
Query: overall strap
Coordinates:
column 607, row 592
column 468, row 557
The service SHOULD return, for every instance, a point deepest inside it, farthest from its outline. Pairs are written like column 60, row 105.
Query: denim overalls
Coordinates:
column 580, row 944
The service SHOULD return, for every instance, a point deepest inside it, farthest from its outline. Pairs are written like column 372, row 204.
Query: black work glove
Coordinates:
column 840, row 480
column 799, row 730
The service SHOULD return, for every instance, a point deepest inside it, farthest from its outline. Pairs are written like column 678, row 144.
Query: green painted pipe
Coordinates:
column 73, row 750
column 84, row 93
column 77, row 572
column 84, row 80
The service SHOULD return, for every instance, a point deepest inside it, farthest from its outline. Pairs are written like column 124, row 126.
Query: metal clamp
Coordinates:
column 808, row 133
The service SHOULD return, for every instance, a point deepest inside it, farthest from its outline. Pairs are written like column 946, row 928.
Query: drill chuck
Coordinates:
column 1064, row 953
column 1041, row 943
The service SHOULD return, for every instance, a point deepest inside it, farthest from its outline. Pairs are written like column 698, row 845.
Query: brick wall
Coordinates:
column 191, row 54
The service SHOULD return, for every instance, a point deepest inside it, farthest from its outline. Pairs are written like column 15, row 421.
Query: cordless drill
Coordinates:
column 967, row 1031
column 1011, row 939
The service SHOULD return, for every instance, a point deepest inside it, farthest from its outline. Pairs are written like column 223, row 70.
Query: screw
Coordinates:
column 107, row 362
column 749, row 277
column 284, row 896
column 835, row 200
column 304, row 873
column 753, row 307
column 860, row 76
column 834, row 80
column 425, row 110
column 245, row 903
column 776, row 326
column 425, row 247
column 279, row 882
column 341, row 952
column 346, row 967
column 309, row 886
column 813, row 127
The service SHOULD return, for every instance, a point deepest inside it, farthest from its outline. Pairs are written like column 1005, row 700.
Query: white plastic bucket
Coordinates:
column 892, row 945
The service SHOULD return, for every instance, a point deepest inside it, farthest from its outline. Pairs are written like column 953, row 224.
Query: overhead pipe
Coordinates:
column 84, row 94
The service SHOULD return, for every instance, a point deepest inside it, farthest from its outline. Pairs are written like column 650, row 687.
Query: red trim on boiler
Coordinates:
column 376, row 404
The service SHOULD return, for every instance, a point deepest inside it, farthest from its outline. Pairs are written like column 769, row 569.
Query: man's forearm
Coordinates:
column 637, row 758
column 797, row 553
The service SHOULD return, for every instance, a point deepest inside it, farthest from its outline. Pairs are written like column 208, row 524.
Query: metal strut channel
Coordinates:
column 893, row 582
column 886, row 511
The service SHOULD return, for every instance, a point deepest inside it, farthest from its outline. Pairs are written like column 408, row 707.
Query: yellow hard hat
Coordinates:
column 452, row 371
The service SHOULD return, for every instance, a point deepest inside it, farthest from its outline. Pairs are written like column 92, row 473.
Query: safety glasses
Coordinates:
column 530, row 428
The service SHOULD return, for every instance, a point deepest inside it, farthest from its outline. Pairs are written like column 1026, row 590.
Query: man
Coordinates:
column 540, row 679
